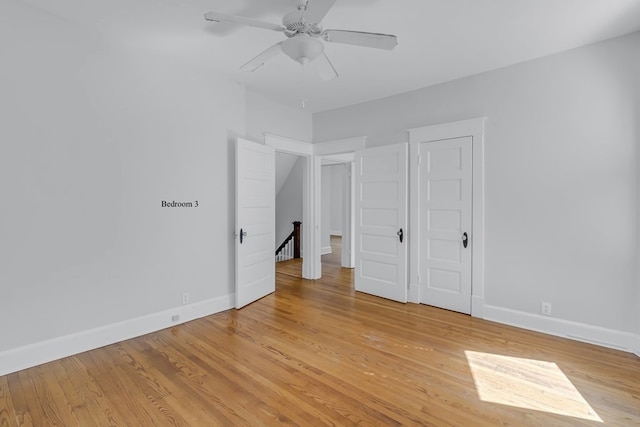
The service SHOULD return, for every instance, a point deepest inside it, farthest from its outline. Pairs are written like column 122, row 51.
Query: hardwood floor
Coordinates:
column 317, row 353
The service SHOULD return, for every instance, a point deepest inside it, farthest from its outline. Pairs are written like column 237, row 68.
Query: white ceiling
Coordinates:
column 438, row 40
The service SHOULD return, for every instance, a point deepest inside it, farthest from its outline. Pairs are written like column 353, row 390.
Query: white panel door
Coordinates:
column 381, row 221
column 255, row 221
column 445, row 223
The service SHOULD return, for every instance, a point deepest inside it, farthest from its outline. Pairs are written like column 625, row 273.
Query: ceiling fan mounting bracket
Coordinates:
column 300, row 4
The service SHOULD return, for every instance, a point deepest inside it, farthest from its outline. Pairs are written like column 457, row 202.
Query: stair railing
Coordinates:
column 290, row 248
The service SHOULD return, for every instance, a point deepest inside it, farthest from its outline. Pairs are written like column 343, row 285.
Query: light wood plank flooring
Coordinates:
column 317, row 353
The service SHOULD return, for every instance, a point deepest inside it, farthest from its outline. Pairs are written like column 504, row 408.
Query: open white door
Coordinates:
column 381, row 221
column 446, row 222
column 255, row 221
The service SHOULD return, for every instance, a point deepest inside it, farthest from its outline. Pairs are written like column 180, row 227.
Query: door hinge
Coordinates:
column 418, row 280
column 419, row 160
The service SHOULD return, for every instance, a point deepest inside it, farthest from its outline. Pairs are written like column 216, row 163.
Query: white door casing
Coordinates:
column 343, row 151
column 311, row 263
column 381, row 185
column 255, row 221
column 446, row 223
column 348, row 204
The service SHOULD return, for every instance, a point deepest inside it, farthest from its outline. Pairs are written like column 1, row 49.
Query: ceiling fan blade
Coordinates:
column 221, row 17
column 259, row 60
column 316, row 10
column 325, row 68
column 357, row 38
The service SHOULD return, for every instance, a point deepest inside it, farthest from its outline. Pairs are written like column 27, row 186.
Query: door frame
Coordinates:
column 340, row 151
column 311, row 190
column 473, row 128
column 311, row 268
column 347, row 161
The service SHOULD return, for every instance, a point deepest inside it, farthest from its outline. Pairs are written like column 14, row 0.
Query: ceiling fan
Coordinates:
column 304, row 34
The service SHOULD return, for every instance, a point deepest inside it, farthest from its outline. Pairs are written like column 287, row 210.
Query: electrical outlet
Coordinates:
column 185, row 298
column 175, row 317
column 545, row 308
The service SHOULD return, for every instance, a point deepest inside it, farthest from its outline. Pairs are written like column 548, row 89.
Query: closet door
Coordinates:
column 445, row 223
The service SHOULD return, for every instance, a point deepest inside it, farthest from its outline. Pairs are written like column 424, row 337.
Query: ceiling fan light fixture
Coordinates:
column 302, row 48
column 306, row 37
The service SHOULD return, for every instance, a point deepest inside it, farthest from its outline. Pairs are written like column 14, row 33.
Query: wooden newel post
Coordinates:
column 296, row 239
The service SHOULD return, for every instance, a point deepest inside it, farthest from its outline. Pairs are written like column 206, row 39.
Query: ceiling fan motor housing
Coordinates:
column 295, row 24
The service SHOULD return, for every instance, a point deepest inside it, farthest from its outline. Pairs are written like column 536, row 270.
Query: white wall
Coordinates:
column 561, row 164
column 337, row 173
column 289, row 203
column 284, row 165
column 267, row 116
column 331, row 200
column 93, row 137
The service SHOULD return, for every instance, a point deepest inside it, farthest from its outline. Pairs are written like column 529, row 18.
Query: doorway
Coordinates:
column 340, row 152
column 289, row 169
column 337, row 210
column 308, row 164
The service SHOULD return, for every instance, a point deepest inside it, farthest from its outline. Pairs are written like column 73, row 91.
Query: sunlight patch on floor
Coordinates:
column 528, row 384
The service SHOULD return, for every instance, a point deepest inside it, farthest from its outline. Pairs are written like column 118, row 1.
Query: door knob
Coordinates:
column 465, row 239
column 400, row 234
column 243, row 234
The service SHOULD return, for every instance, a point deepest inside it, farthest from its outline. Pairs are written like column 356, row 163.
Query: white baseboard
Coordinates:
column 46, row 351
column 637, row 346
column 610, row 338
column 414, row 293
column 477, row 306
column 325, row 250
